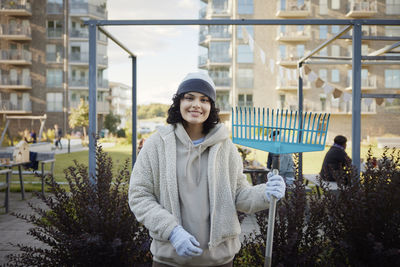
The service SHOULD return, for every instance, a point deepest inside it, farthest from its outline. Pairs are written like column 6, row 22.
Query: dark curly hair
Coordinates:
column 175, row 116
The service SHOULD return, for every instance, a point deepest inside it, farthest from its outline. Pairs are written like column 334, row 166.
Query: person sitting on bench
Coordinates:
column 336, row 159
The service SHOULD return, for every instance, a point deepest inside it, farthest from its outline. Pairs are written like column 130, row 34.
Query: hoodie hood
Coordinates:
column 216, row 135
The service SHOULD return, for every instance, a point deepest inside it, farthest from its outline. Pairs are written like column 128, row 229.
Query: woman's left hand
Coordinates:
column 275, row 187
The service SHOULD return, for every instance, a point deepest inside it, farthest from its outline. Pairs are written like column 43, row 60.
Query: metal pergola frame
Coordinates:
column 356, row 24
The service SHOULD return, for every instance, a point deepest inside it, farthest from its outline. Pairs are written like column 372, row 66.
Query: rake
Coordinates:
column 295, row 132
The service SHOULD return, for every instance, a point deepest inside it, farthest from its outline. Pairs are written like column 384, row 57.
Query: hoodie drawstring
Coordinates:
column 190, row 146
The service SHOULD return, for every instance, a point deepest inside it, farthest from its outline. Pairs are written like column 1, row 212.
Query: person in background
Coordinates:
column 188, row 183
column 33, row 138
column 286, row 164
column 57, row 136
column 336, row 159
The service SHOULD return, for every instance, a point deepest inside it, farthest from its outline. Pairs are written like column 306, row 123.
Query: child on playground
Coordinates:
column 188, row 183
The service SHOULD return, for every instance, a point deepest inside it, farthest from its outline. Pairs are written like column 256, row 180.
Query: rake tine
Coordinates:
column 319, row 131
column 284, row 132
column 290, row 126
column 313, row 129
column 268, row 135
column 296, row 132
column 263, row 129
column 326, row 127
column 241, row 122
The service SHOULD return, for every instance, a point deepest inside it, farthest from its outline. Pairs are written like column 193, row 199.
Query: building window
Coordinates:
column 323, row 7
column 245, row 78
column 335, row 4
column 392, row 78
column 245, row 7
column 323, row 32
column 54, row 78
column 300, row 51
column 244, row 54
column 222, row 101
column 54, row 53
column 282, row 101
column 392, row 7
column 245, row 100
column 220, row 76
column 54, row 29
column 54, row 6
column 335, row 29
column 324, row 52
column 54, row 102
column 335, row 76
column 219, row 31
column 392, row 31
column 220, row 6
column 323, row 74
column 335, row 50
column 282, row 52
column 219, row 52
column 249, row 29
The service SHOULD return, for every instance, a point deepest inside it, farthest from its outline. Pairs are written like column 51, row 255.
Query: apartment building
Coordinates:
column 120, row 96
column 256, row 66
column 42, row 70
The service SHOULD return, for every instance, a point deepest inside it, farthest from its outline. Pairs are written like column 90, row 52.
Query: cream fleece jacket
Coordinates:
column 154, row 197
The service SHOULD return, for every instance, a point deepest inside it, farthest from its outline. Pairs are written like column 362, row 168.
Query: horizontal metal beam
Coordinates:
column 109, row 35
column 324, row 44
column 374, row 38
column 26, row 117
column 380, row 95
column 380, row 57
column 244, row 22
column 339, row 62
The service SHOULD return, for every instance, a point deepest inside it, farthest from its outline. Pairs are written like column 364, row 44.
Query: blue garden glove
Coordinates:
column 275, row 186
column 184, row 243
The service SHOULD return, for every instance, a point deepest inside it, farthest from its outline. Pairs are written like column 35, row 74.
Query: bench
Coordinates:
column 6, row 186
column 332, row 186
column 42, row 173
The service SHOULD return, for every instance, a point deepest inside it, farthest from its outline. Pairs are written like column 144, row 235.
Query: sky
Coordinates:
column 165, row 54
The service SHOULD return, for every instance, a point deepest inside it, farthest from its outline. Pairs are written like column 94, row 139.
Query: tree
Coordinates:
column 111, row 122
column 79, row 116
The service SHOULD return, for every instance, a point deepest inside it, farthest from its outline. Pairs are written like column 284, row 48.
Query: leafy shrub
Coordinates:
column 365, row 215
column 357, row 225
column 91, row 225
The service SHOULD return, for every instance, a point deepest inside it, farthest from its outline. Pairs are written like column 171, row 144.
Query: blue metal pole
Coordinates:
column 92, row 101
column 134, row 109
column 356, row 116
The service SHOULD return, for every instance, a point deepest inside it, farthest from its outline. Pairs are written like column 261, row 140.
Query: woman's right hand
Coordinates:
column 184, row 243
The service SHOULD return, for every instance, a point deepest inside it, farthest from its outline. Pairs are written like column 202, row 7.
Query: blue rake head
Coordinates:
column 279, row 131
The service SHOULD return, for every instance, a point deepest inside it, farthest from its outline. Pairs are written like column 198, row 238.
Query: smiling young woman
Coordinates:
column 188, row 183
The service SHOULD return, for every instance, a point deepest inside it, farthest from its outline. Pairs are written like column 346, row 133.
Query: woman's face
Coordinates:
column 195, row 107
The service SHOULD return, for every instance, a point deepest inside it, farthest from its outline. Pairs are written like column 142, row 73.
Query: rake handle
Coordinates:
column 271, row 218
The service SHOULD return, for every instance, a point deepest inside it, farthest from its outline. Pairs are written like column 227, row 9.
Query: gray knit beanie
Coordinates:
column 198, row 82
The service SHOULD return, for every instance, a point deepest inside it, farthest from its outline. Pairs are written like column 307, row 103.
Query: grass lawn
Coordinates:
column 119, row 153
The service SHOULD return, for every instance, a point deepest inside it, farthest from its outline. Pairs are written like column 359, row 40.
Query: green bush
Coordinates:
column 357, row 225
column 91, row 224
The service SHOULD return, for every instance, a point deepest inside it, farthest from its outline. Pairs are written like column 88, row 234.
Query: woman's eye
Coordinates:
column 188, row 98
column 205, row 100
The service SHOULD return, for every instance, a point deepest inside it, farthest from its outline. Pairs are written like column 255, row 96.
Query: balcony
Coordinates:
column 54, row 33
column 15, row 32
column 84, row 9
column 224, row 107
column 54, row 8
column 222, row 81
column 102, row 107
column 15, row 8
column 362, row 8
column 291, row 85
column 345, row 108
column 54, row 57
column 16, row 57
column 12, row 107
column 293, row 35
column 15, row 82
column 214, row 34
column 292, row 9
column 82, row 58
column 79, row 34
column 366, row 83
column 84, row 83
column 288, row 61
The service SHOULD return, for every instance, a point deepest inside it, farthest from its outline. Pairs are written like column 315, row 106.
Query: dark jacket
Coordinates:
column 335, row 160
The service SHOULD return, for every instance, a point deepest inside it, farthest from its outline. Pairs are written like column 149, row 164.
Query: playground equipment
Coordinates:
column 278, row 132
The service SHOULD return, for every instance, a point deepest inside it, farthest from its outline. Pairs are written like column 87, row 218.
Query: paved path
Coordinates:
column 14, row 230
